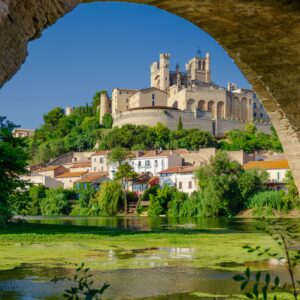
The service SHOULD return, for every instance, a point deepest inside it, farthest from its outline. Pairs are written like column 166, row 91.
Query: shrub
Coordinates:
column 56, row 202
column 265, row 202
column 109, row 199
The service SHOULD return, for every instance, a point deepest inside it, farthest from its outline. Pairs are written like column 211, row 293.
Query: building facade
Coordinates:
column 191, row 94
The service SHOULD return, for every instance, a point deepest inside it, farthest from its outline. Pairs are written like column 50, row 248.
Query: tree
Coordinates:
column 107, row 121
column 121, row 158
column 13, row 160
column 109, row 198
column 291, row 197
column 180, row 125
column 53, row 117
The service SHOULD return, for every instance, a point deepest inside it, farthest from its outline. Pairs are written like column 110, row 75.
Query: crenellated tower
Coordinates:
column 160, row 73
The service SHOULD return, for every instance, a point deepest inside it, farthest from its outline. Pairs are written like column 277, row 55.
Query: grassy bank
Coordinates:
column 109, row 249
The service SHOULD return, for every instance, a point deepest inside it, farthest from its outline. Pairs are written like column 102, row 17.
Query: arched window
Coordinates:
column 175, row 104
column 201, row 105
column 211, row 107
column 220, row 109
column 190, row 105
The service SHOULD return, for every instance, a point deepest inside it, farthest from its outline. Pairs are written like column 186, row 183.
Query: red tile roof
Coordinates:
column 45, row 169
column 179, row 169
column 267, row 164
column 81, row 165
column 103, row 152
column 91, row 177
column 71, row 174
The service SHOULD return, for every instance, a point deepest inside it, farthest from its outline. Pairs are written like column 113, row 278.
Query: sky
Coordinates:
column 100, row 46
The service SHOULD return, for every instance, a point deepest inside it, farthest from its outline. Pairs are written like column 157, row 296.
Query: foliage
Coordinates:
column 285, row 235
column 159, row 202
column 291, row 197
column 265, row 202
column 107, row 121
column 57, row 202
column 225, row 186
column 28, row 202
column 175, row 205
column 139, row 137
column 60, row 133
column 152, row 190
column 109, row 198
column 125, row 172
column 251, row 140
column 85, row 193
column 194, row 206
column 180, row 125
column 13, row 160
column 82, row 285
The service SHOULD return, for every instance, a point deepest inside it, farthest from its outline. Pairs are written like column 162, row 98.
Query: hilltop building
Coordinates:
column 190, row 95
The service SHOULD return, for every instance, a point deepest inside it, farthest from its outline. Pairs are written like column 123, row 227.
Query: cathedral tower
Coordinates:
column 160, row 73
column 199, row 68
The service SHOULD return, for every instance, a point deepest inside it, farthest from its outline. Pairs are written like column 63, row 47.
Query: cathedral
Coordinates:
column 190, row 95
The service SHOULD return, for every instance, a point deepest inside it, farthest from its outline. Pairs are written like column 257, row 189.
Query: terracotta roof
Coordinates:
column 153, row 153
column 267, row 164
column 179, row 169
column 181, row 151
column 71, row 174
column 154, row 180
column 45, row 169
column 81, row 165
column 103, row 152
column 90, row 177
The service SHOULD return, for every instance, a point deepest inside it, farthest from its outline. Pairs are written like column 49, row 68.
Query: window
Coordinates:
column 155, row 162
column 101, row 160
column 139, row 163
column 190, row 184
column 153, row 96
column 261, row 115
column 147, row 163
column 278, row 176
column 180, row 185
column 95, row 159
column 254, row 114
column 94, row 169
column 261, row 106
column 126, row 100
column 254, row 105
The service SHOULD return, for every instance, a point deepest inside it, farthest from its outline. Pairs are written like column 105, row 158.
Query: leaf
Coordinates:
column 247, row 273
column 243, row 285
column 267, row 278
column 276, row 280
column 250, row 296
column 238, row 278
column 257, row 276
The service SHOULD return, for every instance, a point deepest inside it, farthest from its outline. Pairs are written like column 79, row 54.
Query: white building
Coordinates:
column 276, row 169
column 182, row 177
column 151, row 162
column 40, row 179
column 100, row 161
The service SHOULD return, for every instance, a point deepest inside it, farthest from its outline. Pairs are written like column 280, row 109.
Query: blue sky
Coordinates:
column 101, row 46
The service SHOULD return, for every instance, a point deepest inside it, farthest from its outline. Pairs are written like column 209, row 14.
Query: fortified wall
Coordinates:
column 167, row 116
column 221, row 126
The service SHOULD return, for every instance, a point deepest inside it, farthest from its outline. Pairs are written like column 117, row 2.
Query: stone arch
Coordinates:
column 175, row 104
column 220, row 110
column 22, row 23
column 201, row 105
column 236, row 108
column 190, row 105
column 244, row 109
column 211, row 107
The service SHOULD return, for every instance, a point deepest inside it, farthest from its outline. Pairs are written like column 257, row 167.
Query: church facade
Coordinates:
column 190, row 95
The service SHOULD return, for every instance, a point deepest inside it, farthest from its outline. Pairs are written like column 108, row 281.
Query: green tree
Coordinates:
column 13, row 160
column 56, row 203
column 52, row 118
column 121, row 158
column 109, row 198
column 107, row 121
column 180, row 125
column 291, row 197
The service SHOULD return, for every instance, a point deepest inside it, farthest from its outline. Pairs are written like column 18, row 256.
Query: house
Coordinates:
column 151, row 162
column 52, row 171
column 36, row 179
column 94, row 179
column 69, row 178
column 23, row 132
column 100, row 161
column 182, row 177
column 276, row 169
column 139, row 184
column 81, row 166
